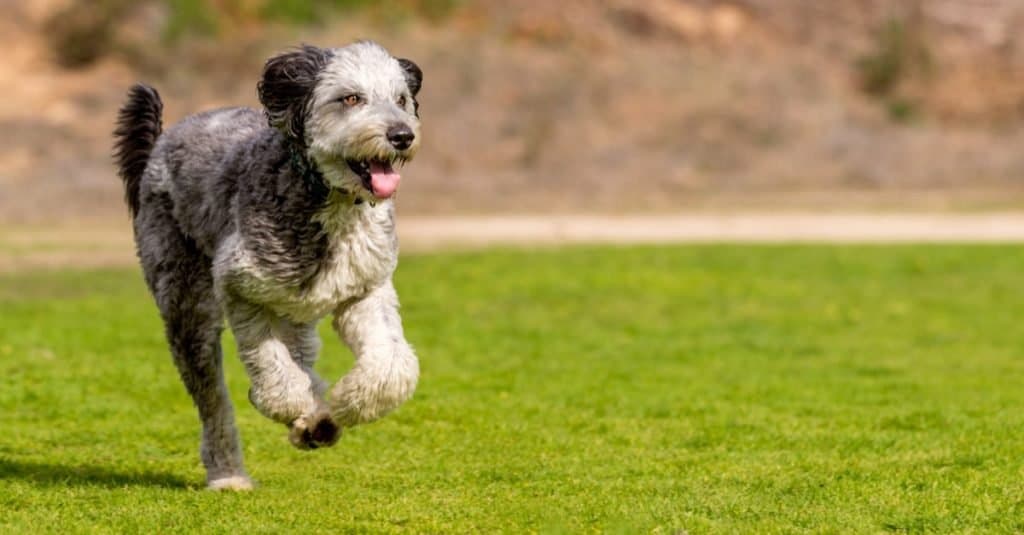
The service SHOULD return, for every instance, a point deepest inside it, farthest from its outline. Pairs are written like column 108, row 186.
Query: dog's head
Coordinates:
column 353, row 110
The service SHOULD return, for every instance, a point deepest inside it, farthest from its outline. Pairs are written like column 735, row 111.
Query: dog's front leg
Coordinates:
column 281, row 390
column 386, row 369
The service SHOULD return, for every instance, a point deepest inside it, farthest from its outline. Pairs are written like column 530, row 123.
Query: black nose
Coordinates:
column 400, row 136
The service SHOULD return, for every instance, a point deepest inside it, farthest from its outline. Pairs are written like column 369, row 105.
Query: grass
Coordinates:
column 711, row 389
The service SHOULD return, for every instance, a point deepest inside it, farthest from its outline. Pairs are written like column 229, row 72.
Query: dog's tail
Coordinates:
column 138, row 127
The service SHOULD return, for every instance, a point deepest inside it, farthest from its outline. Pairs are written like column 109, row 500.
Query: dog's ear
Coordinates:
column 413, row 75
column 287, row 87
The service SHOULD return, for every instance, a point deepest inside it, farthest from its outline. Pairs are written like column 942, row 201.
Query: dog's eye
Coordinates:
column 351, row 100
column 401, row 101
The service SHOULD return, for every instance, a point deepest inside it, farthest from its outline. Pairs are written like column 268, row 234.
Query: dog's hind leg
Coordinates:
column 318, row 429
column 179, row 276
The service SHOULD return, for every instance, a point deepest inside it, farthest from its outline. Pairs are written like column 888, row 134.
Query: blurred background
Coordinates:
column 576, row 106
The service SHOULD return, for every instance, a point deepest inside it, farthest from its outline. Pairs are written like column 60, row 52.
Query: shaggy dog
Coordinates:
column 274, row 220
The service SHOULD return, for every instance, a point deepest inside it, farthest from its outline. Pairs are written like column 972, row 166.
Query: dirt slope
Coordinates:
column 589, row 106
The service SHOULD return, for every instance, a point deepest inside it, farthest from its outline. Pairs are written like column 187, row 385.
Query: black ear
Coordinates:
column 287, row 87
column 413, row 75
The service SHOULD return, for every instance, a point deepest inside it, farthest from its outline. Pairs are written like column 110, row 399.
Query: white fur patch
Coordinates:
column 336, row 133
column 236, row 483
column 386, row 369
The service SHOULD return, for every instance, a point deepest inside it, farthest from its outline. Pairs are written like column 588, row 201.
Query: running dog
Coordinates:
column 274, row 219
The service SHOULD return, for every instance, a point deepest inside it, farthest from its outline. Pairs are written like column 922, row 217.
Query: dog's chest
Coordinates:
column 357, row 262
column 361, row 254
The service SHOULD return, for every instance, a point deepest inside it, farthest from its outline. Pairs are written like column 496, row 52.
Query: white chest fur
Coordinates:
column 362, row 253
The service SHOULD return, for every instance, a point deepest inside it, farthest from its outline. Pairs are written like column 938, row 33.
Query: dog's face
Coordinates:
column 353, row 110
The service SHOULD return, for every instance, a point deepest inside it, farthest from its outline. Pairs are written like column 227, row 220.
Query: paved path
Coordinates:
column 779, row 227
column 104, row 245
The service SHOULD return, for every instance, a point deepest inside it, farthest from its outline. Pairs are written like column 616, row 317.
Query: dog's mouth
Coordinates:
column 378, row 176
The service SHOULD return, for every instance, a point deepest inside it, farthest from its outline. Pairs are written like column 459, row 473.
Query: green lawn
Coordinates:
column 716, row 389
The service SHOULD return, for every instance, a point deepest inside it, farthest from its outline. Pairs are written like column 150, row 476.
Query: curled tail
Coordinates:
column 138, row 126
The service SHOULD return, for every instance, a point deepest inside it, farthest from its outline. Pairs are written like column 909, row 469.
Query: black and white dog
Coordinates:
column 273, row 220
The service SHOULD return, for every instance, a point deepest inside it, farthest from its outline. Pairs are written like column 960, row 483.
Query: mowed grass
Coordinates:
column 711, row 389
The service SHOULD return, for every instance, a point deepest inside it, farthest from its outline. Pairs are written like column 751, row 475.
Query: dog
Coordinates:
column 273, row 220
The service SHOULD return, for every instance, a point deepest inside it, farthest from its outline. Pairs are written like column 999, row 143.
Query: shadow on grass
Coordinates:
column 58, row 474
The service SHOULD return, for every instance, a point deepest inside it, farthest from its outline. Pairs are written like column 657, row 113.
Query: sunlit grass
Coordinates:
column 713, row 389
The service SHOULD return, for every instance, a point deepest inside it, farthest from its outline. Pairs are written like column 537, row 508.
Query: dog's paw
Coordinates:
column 230, row 483
column 362, row 397
column 314, row 431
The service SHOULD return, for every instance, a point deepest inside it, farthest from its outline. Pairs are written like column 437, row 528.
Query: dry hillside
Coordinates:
column 574, row 106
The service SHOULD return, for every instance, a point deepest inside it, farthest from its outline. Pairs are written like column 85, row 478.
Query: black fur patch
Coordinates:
column 279, row 213
column 138, row 126
column 413, row 75
column 414, row 78
column 286, row 88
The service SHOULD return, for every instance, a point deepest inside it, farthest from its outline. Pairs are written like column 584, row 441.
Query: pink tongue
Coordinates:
column 384, row 179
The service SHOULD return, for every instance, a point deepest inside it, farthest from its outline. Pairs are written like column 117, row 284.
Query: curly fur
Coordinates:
column 138, row 127
column 260, row 218
column 286, row 88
